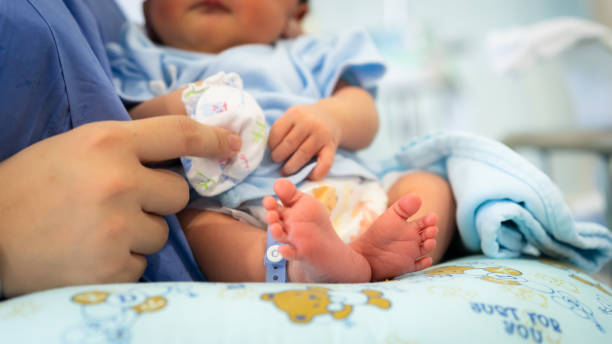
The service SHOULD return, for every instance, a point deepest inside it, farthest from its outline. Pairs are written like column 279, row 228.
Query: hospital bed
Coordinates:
column 472, row 299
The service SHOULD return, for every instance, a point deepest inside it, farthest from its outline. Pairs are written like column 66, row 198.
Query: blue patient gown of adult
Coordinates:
column 55, row 76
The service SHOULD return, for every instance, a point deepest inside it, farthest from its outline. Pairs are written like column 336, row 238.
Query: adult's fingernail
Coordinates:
column 234, row 142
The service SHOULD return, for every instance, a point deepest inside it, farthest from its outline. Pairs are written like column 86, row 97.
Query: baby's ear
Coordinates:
column 301, row 11
column 294, row 24
column 146, row 8
column 148, row 25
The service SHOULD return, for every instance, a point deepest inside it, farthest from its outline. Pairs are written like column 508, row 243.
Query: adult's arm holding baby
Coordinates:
column 347, row 119
column 81, row 207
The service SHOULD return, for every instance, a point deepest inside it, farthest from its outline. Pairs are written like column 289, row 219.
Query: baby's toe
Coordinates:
column 278, row 232
column 426, row 221
column 407, row 206
column 427, row 246
column 429, row 233
column 423, row 263
column 286, row 192
column 272, row 217
column 288, row 252
column 269, row 203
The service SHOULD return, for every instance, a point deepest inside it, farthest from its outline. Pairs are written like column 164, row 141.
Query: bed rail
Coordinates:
column 598, row 142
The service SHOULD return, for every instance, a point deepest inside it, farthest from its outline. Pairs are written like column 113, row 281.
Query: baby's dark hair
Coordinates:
column 303, row 1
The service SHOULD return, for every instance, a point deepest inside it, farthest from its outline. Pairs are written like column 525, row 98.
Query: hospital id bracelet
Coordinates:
column 276, row 265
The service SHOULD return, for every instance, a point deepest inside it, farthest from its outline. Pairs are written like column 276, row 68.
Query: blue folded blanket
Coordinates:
column 505, row 205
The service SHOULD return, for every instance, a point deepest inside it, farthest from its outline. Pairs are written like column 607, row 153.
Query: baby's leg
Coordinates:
column 437, row 197
column 226, row 249
column 231, row 251
column 393, row 245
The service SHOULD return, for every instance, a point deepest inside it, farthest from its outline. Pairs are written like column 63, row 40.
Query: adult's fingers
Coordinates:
column 150, row 234
column 168, row 137
column 162, row 192
column 136, row 266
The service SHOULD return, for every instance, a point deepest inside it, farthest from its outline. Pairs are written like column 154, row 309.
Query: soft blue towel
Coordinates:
column 505, row 205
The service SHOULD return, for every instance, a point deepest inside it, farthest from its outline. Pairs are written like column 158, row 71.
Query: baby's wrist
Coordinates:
column 334, row 112
column 174, row 102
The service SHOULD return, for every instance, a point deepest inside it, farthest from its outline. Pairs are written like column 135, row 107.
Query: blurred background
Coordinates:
column 494, row 68
column 443, row 74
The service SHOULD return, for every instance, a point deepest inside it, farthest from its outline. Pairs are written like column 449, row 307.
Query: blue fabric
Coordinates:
column 505, row 205
column 279, row 76
column 55, row 76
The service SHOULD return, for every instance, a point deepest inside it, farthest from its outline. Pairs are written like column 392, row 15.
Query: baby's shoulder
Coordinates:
column 350, row 38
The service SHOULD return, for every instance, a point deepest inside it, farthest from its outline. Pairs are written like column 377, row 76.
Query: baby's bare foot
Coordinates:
column 393, row 245
column 315, row 253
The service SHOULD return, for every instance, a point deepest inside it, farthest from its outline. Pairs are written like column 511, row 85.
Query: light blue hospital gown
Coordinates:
column 288, row 73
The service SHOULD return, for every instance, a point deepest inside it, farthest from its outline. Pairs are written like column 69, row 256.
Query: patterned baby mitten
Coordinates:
column 221, row 101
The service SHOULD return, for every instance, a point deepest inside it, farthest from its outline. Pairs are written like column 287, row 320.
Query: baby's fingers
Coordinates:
column 324, row 163
column 290, row 144
column 278, row 131
column 302, row 156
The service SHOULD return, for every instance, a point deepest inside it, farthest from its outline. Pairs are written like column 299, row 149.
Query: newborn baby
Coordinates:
column 221, row 101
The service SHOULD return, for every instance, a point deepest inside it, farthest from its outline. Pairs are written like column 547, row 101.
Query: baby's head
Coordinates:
column 212, row 26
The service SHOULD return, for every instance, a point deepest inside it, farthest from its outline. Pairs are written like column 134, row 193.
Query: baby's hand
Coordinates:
column 301, row 133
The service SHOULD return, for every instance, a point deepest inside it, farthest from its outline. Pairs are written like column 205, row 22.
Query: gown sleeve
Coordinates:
column 351, row 55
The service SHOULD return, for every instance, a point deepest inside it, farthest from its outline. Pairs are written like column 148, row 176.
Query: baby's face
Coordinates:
column 215, row 25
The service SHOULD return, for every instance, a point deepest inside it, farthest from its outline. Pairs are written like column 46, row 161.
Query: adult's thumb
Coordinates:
column 168, row 137
column 217, row 142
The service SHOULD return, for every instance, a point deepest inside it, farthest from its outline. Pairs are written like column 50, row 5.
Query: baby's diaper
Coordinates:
column 221, row 101
column 353, row 203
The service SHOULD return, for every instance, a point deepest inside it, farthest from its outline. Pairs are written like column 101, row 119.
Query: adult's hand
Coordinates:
column 81, row 207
